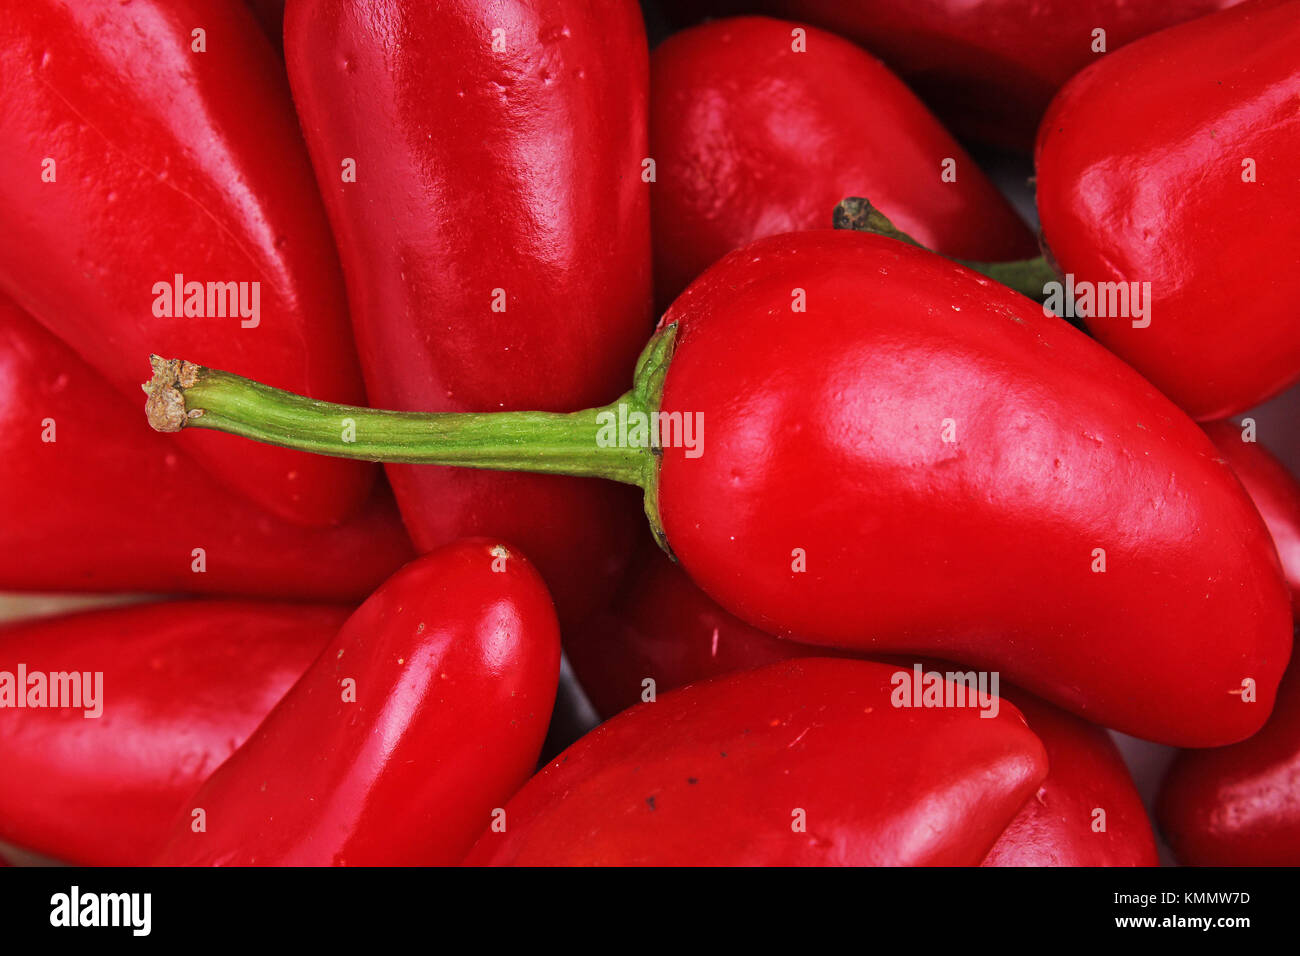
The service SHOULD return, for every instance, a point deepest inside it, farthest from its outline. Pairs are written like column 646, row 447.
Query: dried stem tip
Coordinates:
column 165, row 406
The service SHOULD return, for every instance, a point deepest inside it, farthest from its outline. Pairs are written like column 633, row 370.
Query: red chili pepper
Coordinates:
column 756, row 132
column 94, row 502
column 663, row 628
column 989, row 67
column 798, row 763
column 968, row 479
column 1167, row 163
column 919, row 462
column 1239, row 805
column 184, row 684
column 131, row 159
column 495, row 240
column 1272, row 488
column 423, row 715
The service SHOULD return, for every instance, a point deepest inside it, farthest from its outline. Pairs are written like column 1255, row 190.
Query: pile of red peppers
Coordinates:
column 863, row 511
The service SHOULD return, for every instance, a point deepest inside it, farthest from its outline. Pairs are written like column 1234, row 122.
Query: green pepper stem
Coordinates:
column 543, row 442
column 1026, row 276
column 185, row 395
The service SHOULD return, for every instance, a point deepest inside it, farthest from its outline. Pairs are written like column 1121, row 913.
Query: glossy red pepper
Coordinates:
column 1167, row 163
column 496, row 239
column 184, row 684
column 665, row 629
column 93, row 502
column 1239, row 805
column 989, row 67
column 777, row 766
column 130, row 159
column 1272, row 488
column 755, row 132
column 957, row 469
column 453, row 665
column 921, row 461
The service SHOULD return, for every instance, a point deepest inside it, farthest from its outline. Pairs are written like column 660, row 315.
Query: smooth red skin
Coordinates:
column 1239, row 805
column 663, row 627
column 824, row 432
column 752, row 139
column 113, row 506
column 456, row 668
column 710, row 774
column 185, row 683
column 990, row 67
column 174, row 162
column 1054, row 827
column 1139, row 180
column 518, row 172
column 1273, row 489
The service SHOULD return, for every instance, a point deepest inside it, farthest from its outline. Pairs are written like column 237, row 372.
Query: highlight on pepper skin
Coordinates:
column 735, row 433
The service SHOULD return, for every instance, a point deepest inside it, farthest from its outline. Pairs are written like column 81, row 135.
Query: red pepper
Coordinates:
column 419, row 719
column 756, row 132
column 496, row 239
column 665, row 629
column 94, row 502
column 1168, row 163
column 184, row 684
column 1272, row 488
column 798, row 763
column 989, row 67
column 919, row 462
column 1239, row 805
column 958, row 470
column 131, row 159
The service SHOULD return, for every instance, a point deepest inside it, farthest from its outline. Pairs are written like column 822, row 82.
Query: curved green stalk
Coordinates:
column 584, row 443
